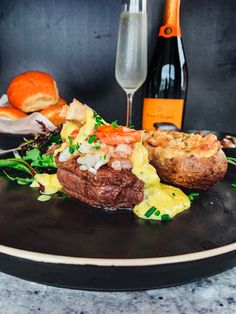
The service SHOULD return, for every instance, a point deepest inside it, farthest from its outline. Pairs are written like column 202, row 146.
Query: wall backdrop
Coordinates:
column 75, row 41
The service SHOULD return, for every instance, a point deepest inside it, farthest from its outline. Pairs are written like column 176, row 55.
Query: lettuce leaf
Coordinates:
column 38, row 159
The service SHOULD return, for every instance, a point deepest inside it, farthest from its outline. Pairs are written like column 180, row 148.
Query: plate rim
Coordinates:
column 118, row 262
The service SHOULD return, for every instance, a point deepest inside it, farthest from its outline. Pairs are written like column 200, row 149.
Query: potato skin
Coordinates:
column 189, row 171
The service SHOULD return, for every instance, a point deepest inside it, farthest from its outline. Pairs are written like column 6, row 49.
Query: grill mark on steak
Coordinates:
column 109, row 188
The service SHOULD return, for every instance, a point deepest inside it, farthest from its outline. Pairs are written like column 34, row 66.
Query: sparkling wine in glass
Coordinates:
column 131, row 56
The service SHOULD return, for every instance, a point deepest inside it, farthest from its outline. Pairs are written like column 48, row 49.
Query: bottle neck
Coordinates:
column 171, row 22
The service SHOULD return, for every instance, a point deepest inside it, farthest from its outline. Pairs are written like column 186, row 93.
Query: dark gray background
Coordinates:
column 75, row 41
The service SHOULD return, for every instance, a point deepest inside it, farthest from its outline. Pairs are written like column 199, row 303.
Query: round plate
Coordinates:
column 63, row 242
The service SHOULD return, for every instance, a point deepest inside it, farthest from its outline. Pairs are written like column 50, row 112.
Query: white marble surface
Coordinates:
column 214, row 295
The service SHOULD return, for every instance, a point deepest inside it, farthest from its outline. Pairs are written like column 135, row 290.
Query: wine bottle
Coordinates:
column 166, row 84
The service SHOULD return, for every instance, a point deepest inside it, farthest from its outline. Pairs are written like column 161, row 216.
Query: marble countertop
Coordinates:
column 213, row 295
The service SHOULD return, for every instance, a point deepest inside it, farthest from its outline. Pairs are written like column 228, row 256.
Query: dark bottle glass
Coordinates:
column 166, row 84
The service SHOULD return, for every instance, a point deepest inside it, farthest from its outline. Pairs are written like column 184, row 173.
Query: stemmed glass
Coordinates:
column 131, row 56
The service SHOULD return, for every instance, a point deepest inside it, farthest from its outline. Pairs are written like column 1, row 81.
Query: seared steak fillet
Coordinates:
column 109, row 188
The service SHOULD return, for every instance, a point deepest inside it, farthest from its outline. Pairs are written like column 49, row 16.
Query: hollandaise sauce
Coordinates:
column 69, row 127
column 49, row 181
column 87, row 128
column 161, row 201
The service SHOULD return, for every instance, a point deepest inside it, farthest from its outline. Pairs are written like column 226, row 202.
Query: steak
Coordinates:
column 109, row 188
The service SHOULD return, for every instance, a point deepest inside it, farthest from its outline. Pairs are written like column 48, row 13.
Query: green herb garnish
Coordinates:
column 233, row 185
column 173, row 194
column 150, row 211
column 166, row 217
column 19, row 180
column 114, row 124
column 231, row 160
column 157, row 213
column 192, row 196
column 91, row 139
column 63, row 195
column 131, row 126
column 73, row 147
column 98, row 120
column 38, row 159
column 97, row 147
column 195, row 194
column 104, row 156
column 17, row 164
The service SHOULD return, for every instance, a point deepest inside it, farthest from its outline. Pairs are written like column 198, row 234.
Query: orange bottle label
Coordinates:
column 162, row 110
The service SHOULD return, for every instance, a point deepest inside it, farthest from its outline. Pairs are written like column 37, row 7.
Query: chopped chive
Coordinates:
column 97, row 147
column 192, row 196
column 104, row 156
column 72, row 147
column 165, row 217
column 91, row 139
column 131, row 126
column 195, row 194
column 70, row 140
column 185, row 144
column 150, row 211
column 233, row 185
column 157, row 213
column 71, row 150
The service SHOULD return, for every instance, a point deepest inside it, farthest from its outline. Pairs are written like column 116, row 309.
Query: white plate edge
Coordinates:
column 82, row 261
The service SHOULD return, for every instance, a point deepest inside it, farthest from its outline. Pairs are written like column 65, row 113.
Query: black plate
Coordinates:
column 65, row 243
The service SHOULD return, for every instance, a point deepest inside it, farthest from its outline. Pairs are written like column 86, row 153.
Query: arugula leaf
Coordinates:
column 19, row 180
column 43, row 140
column 231, row 160
column 16, row 163
column 38, row 159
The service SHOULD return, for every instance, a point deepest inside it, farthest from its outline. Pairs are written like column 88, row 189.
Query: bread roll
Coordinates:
column 11, row 113
column 32, row 91
column 52, row 113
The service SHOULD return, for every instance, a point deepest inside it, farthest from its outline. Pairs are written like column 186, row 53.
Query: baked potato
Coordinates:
column 187, row 160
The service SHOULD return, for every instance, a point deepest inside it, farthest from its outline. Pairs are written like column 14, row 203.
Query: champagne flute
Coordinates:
column 131, row 55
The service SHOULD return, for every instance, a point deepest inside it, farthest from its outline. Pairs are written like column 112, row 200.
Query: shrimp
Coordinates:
column 119, row 135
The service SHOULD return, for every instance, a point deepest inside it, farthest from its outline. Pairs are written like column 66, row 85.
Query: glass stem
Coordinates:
column 129, row 109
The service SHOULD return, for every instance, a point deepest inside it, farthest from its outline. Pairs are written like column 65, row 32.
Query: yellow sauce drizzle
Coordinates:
column 49, row 181
column 69, row 127
column 168, row 200
column 88, row 127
